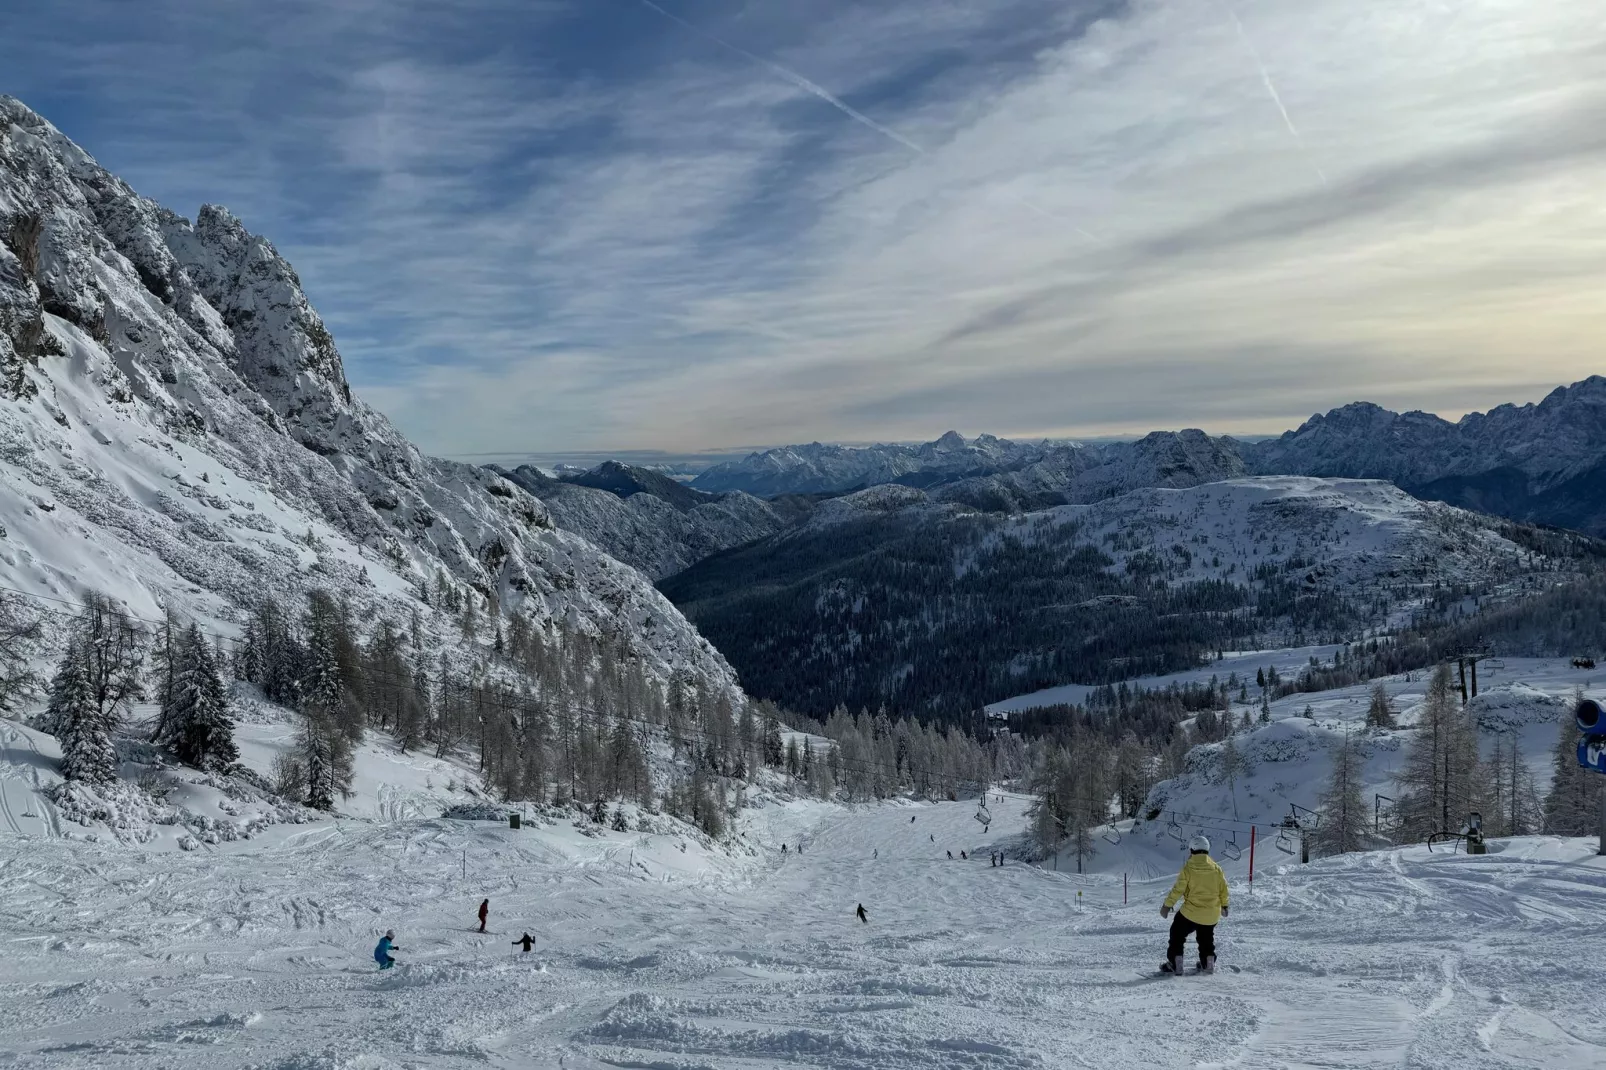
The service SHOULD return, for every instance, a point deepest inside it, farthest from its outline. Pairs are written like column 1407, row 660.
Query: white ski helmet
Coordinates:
column 1200, row 843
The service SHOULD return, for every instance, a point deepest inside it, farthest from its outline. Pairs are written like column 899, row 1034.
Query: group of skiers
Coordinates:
column 387, row 943
column 1201, row 889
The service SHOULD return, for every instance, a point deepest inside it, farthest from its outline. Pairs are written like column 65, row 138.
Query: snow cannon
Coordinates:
column 1591, row 718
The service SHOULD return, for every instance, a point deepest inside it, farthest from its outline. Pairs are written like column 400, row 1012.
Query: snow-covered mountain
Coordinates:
column 176, row 430
column 1543, row 462
column 650, row 521
column 891, row 595
column 817, row 468
column 987, row 472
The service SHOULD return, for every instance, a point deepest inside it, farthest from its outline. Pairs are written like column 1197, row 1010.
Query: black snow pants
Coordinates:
column 1181, row 927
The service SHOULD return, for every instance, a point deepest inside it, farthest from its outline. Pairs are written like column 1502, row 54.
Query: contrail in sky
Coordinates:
column 1276, row 97
column 840, row 105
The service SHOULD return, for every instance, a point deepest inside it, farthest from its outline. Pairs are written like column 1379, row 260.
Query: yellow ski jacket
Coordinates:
column 1202, row 887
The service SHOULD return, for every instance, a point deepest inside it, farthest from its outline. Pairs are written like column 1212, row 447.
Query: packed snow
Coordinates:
column 657, row 951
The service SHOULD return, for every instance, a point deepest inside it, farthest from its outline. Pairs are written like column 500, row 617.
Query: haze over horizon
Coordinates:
column 689, row 226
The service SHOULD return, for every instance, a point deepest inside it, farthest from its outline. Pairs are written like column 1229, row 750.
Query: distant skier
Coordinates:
column 992, row 859
column 950, row 856
column 485, row 912
column 933, row 837
column 384, row 948
column 1202, row 887
column 800, row 848
column 862, row 915
column 526, row 941
column 876, row 853
column 964, row 856
column 911, row 820
column 783, row 848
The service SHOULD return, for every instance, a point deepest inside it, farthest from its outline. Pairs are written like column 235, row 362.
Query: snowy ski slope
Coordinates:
column 650, row 956
column 1289, row 761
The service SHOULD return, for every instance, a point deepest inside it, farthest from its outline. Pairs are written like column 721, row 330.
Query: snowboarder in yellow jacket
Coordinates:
column 1202, row 888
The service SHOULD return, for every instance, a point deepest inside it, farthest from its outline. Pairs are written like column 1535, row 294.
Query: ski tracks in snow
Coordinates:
column 261, row 957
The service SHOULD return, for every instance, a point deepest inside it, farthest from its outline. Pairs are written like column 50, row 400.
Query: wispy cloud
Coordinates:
column 697, row 223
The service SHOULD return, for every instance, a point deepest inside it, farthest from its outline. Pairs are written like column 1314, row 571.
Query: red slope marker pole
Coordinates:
column 1251, row 858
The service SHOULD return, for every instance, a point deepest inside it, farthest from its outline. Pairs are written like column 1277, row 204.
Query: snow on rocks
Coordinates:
column 177, row 431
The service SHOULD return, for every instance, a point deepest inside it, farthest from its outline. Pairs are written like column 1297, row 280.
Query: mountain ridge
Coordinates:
column 179, row 431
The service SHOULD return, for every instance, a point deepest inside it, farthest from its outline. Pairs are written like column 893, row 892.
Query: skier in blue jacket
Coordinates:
column 382, row 952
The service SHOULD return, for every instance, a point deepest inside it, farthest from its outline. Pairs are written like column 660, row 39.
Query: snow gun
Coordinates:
column 1592, row 723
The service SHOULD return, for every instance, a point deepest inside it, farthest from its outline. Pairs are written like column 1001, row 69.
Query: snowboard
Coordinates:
column 1192, row 971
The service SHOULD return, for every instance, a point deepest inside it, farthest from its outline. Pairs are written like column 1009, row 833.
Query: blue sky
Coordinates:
column 697, row 224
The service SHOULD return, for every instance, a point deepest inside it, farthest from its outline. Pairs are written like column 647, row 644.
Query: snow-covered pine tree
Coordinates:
column 198, row 727
column 326, row 757
column 72, row 717
column 1380, row 712
column 1343, row 804
column 331, row 682
column 97, row 676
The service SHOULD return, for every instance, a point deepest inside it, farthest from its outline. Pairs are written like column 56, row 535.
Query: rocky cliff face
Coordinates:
column 176, row 428
column 1542, row 462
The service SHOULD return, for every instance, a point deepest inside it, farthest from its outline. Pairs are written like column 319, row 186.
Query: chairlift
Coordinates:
column 1174, row 830
column 1231, row 848
column 1285, row 841
column 983, row 815
column 1112, row 834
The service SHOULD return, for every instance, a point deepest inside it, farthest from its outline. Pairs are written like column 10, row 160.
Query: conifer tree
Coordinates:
column 97, row 676
column 330, row 683
column 1439, row 779
column 1343, row 805
column 1380, row 712
column 198, row 727
column 87, row 753
column 165, row 653
column 326, row 756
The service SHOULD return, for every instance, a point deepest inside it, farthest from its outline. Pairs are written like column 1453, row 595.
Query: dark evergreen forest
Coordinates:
column 935, row 617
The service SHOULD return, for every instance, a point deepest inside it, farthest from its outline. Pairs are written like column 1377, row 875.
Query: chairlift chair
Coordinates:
column 983, row 814
column 1174, row 830
column 1112, row 834
column 1285, row 841
column 1231, row 848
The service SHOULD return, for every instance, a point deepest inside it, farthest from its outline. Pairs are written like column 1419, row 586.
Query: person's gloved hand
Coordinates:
column 1165, row 912
column 1225, row 911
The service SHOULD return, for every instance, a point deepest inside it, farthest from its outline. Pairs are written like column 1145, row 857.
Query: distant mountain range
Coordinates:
column 1544, row 462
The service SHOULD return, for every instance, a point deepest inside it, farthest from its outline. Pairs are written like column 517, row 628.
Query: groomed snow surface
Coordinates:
column 653, row 951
